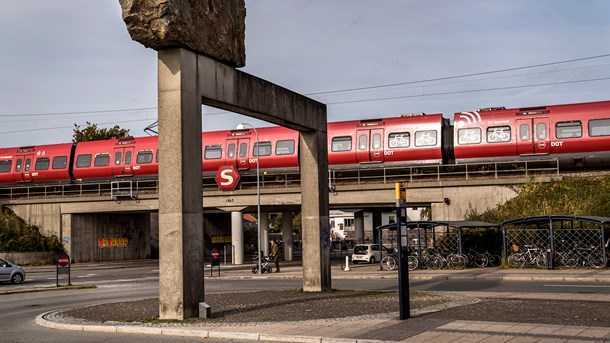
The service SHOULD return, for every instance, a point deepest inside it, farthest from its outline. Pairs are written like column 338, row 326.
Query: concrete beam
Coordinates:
column 243, row 93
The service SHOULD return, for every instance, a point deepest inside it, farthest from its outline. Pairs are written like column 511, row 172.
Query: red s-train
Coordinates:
column 576, row 134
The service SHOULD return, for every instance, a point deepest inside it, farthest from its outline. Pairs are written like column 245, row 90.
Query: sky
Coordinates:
column 69, row 62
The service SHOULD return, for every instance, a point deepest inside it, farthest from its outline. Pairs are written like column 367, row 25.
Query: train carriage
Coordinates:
column 409, row 139
column 576, row 134
column 33, row 164
column 278, row 147
column 107, row 159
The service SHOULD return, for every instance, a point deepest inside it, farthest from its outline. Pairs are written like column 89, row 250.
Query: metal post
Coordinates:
column 258, row 193
column 403, row 270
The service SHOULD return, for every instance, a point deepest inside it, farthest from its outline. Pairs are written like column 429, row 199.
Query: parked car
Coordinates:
column 368, row 253
column 10, row 272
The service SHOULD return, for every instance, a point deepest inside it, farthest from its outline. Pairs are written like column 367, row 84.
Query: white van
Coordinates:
column 368, row 253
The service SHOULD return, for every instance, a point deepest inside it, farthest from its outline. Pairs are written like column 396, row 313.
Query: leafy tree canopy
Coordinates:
column 92, row 133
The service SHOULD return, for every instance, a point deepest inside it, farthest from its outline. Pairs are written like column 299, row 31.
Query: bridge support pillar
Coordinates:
column 377, row 218
column 287, row 238
column 237, row 237
column 264, row 221
column 359, row 226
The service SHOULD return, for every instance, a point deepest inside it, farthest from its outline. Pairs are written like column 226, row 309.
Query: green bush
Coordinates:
column 17, row 236
column 569, row 196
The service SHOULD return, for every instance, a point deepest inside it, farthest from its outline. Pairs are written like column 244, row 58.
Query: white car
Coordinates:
column 368, row 253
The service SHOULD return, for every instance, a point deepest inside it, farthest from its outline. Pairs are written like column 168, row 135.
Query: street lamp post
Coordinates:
column 242, row 126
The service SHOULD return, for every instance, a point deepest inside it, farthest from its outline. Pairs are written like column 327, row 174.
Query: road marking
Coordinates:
column 579, row 286
column 88, row 275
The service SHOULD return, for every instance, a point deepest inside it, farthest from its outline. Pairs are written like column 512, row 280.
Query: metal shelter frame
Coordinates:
column 427, row 225
column 538, row 221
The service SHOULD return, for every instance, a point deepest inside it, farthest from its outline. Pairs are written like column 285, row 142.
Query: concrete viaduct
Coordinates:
column 82, row 221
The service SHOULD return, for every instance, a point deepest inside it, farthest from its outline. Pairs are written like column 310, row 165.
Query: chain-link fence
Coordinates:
column 549, row 243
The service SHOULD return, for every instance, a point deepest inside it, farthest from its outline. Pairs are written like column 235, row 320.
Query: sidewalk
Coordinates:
column 388, row 328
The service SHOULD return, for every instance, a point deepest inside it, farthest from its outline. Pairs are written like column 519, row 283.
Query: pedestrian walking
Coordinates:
column 275, row 254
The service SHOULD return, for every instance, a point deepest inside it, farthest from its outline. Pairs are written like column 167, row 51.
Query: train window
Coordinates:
column 231, row 150
column 469, row 136
column 377, row 141
column 127, row 157
column 341, row 143
column 264, row 150
column 568, row 129
column 284, row 147
column 83, row 161
column 243, row 149
column 60, row 162
column 117, row 158
column 157, row 157
column 5, row 166
column 599, row 127
column 498, row 134
column 18, row 165
column 212, row 152
column 541, row 131
column 363, row 142
column 101, row 160
column 42, row 163
column 28, row 163
column 144, row 157
column 399, row 140
column 425, row 138
column 524, row 132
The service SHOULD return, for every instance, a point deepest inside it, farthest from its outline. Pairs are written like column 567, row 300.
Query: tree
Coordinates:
column 92, row 133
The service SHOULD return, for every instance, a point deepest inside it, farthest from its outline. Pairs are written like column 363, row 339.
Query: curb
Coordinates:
column 192, row 332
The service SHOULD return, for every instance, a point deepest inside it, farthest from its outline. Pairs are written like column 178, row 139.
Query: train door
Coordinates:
column 23, row 168
column 123, row 161
column 369, row 147
column 237, row 153
column 534, row 137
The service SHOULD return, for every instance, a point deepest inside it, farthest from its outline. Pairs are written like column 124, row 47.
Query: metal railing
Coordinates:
column 373, row 174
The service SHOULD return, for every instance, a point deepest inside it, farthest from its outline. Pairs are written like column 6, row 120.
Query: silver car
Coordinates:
column 11, row 272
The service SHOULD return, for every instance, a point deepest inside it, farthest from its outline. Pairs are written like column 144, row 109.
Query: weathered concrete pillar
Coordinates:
column 359, row 226
column 315, row 219
column 377, row 217
column 264, row 220
column 181, row 246
column 66, row 233
column 237, row 237
column 287, row 238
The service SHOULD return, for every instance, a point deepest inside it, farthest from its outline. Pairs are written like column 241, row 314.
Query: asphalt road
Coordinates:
column 139, row 281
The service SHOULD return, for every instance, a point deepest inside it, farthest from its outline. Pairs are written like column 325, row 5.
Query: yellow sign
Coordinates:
column 112, row 242
column 220, row 239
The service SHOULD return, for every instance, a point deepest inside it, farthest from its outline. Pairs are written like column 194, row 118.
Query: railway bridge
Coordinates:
column 118, row 219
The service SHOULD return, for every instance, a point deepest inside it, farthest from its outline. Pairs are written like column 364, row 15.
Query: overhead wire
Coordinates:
column 356, row 89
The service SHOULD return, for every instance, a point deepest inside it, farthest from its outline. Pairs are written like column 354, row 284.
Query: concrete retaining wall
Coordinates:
column 29, row 258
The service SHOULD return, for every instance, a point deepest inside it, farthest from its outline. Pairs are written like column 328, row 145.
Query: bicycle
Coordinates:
column 498, row 135
column 389, row 262
column 533, row 256
column 476, row 258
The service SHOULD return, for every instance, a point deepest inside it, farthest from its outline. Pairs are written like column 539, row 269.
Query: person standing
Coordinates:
column 275, row 254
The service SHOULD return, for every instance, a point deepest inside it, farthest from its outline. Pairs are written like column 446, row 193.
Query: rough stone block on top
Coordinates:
column 215, row 28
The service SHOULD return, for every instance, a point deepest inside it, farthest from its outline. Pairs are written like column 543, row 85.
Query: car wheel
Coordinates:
column 17, row 278
column 372, row 260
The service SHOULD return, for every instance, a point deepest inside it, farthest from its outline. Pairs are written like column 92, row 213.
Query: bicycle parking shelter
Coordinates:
column 555, row 239
column 422, row 235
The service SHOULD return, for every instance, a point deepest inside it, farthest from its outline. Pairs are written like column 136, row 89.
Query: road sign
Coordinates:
column 63, row 260
column 227, row 178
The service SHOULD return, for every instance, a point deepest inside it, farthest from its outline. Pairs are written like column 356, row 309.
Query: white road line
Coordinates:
column 88, row 275
column 579, row 286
